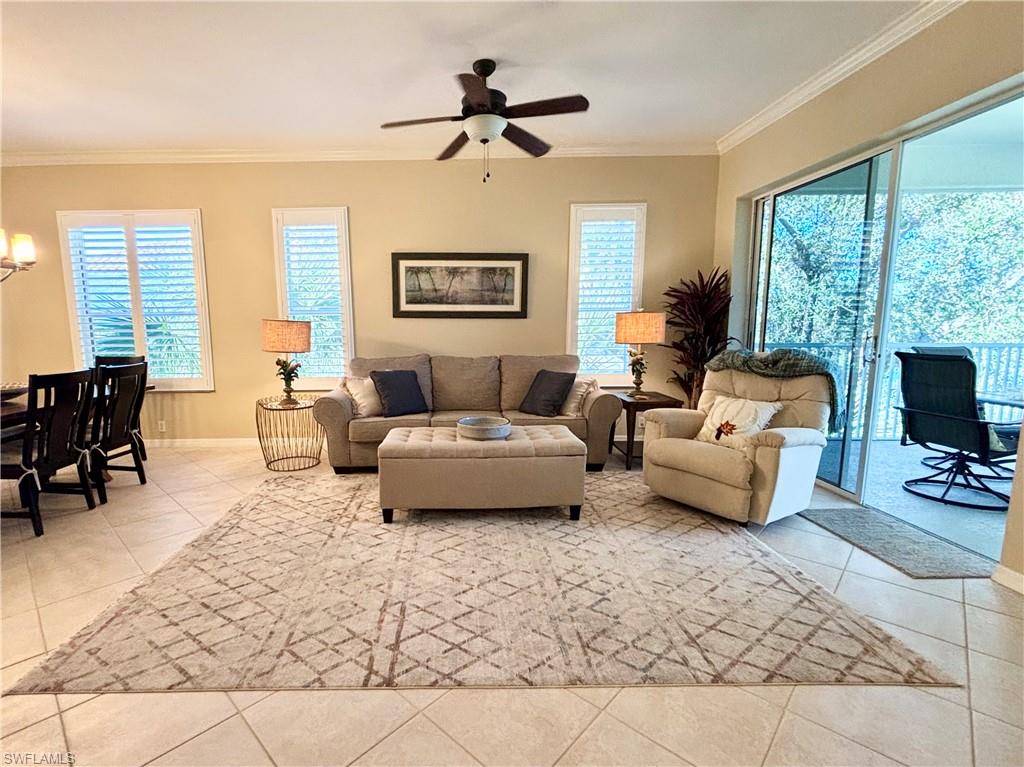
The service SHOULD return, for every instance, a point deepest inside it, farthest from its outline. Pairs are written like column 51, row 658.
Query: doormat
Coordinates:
column 909, row 549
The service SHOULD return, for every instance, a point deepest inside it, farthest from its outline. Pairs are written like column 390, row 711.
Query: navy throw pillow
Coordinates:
column 547, row 393
column 399, row 392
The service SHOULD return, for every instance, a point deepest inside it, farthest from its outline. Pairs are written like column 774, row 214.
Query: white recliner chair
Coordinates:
column 770, row 479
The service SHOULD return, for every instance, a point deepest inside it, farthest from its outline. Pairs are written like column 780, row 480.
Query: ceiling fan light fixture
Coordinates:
column 484, row 128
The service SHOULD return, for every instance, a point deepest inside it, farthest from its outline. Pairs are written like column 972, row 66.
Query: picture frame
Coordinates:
column 459, row 285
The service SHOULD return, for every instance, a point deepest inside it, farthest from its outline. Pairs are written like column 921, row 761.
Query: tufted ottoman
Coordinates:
column 434, row 468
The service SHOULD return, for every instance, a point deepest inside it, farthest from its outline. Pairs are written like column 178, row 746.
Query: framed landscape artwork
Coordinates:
column 470, row 285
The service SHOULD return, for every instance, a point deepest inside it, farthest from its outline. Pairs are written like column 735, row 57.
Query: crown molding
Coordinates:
column 181, row 156
column 893, row 35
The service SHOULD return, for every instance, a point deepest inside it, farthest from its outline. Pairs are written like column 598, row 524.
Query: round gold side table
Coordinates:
column 289, row 435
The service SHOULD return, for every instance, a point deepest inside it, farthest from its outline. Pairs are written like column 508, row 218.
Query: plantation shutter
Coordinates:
column 314, row 285
column 102, row 289
column 170, row 306
column 608, row 258
column 137, row 287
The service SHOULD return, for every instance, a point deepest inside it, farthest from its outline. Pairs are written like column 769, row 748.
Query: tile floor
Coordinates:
column 53, row 585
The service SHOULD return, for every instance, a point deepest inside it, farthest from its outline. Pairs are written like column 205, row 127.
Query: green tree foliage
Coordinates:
column 958, row 273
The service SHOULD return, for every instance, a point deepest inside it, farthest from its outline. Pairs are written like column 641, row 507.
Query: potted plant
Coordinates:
column 698, row 312
column 288, row 371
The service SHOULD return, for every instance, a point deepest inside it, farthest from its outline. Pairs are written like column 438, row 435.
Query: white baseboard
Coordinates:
column 1004, row 576
column 208, row 442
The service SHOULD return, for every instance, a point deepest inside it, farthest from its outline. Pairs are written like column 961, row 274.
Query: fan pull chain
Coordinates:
column 487, row 162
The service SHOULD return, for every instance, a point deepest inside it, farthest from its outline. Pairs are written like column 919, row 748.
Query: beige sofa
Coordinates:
column 772, row 478
column 454, row 387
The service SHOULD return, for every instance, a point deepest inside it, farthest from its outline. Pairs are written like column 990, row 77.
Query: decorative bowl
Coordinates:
column 483, row 427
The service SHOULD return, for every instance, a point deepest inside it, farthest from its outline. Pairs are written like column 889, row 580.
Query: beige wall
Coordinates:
column 976, row 49
column 392, row 206
column 1013, row 542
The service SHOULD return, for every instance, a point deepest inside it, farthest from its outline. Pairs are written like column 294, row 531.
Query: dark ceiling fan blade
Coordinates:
column 525, row 140
column 543, row 107
column 453, row 148
column 476, row 90
column 423, row 121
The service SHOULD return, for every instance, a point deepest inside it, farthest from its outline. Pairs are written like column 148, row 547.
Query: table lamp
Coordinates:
column 286, row 337
column 639, row 328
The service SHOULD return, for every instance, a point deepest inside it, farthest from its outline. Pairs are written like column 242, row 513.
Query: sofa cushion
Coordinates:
column 451, row 417
column 577, row 424
column 376, row 428
column 518, row 372
column 465, row 383
column 731, row 422
column 547, row 393
column 363, row 392
column 578, row 394
column 722, row 464
column 399, row 392
column 363, row 366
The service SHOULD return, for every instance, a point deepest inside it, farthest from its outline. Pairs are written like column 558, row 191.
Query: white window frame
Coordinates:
column 604, row 211
column 68, row 219
column 318, row 216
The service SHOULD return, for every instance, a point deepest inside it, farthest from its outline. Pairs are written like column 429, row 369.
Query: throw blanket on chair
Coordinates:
column 784, row 363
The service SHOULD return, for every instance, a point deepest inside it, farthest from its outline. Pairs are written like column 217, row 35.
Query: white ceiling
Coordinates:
column 81, row 78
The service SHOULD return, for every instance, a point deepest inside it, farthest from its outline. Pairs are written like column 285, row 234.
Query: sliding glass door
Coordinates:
column 819, row 266
column 831, row 275
column 955, row 285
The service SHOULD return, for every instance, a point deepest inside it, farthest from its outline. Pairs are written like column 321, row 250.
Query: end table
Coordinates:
column 290, row 437
column 648, row 400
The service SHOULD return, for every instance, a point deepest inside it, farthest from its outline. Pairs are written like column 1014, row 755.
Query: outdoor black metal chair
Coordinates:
column 107, row 360
column 1000, row 471
column 949, row 351
column 940, row 413
column 119, row 394
column 55, row 437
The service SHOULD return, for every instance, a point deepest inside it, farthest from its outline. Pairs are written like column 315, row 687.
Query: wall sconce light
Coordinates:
column 17, row 255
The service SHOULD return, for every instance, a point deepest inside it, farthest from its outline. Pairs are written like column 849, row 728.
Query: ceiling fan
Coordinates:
column 485, row 117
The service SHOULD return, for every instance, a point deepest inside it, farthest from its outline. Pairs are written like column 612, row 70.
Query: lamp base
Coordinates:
column 288, row 400
column 638, row 385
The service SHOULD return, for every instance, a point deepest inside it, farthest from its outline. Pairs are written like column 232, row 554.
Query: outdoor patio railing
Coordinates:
column 1000, row 370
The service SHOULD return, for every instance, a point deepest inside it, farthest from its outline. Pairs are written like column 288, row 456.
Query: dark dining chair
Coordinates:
column 119, row 393
column 107, row 360
column 55, row 437
column 940, row 413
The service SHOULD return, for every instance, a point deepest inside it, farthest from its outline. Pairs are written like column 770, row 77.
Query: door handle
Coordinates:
column 869, row 348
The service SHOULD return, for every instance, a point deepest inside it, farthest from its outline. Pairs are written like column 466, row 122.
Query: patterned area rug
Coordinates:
column 909, row 549
column 301, row 586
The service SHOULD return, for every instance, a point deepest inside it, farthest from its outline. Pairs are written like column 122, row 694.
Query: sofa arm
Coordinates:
column 601, row 409
column 787, row 437
column 665, row 422
column 333, row 411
